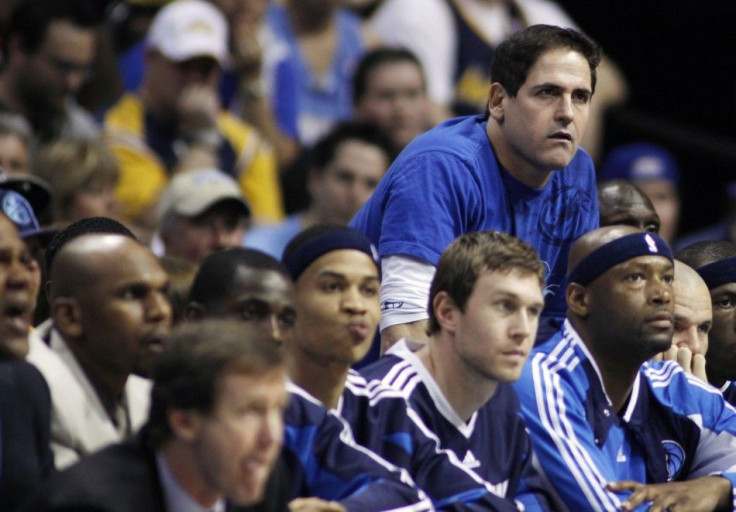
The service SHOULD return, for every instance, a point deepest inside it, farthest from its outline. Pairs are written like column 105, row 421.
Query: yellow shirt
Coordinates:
column 143, row 174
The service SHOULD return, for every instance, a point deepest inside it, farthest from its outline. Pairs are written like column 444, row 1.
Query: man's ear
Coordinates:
column 496, row 95
column 446, row 312
column 577, row 299
column 194, row 311
column 67, row 317
column 184, row 424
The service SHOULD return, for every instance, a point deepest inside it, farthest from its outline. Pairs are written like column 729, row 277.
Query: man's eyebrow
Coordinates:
column 340, row 275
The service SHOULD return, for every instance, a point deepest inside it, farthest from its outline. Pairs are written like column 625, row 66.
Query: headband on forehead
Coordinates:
column 618, row 251
column 297, row 261
column 719, row 272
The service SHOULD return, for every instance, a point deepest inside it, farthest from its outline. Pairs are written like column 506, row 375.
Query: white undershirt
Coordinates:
column 404, row 289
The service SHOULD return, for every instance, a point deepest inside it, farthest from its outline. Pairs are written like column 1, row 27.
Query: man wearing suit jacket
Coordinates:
column 215, row 429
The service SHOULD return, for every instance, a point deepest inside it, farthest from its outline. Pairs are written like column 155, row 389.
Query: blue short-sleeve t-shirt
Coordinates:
column 448, row 182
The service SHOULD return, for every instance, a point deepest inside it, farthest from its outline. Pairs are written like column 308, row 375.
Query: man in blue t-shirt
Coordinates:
column 518, row 169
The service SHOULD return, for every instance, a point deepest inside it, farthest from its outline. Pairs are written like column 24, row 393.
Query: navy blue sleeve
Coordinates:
column 326, row 463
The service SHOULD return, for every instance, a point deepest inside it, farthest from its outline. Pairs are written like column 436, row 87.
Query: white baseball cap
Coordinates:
column 191, row 193
column 185, row 29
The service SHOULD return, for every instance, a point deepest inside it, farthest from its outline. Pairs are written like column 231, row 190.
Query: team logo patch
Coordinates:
column 674, row 457
column 16, row 210
column 392, row 304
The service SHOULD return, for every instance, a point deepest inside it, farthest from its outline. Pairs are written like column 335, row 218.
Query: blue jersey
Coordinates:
column 383, row 422
column 325, row 462
column 448, row 182
column 493, row 441
column 674, row 427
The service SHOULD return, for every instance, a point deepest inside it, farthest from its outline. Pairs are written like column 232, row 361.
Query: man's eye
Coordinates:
column 724, row 303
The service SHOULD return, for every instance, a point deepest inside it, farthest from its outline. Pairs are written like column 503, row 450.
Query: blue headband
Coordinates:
column 618, row 251
column 719, row 272
column 342, row 238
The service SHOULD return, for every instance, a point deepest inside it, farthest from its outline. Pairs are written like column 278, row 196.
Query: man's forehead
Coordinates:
column 258, row 280
column 9, row 233
column 646, row 260
column 724, row 288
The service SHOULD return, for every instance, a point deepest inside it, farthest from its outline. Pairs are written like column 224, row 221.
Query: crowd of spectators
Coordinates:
column 330, row 255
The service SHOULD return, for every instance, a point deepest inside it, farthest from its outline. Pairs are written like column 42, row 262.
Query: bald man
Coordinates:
column 109, row 317
column 612, row 430
column 621, row 202
column 715, row 262
column 693, row 320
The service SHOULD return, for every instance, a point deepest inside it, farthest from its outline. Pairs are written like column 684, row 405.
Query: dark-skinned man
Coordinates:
column 613, row 431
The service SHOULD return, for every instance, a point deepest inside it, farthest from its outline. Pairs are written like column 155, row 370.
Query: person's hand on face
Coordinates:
column 693, row 364
column 197, row 109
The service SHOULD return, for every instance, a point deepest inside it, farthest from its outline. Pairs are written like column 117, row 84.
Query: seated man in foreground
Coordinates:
column 214, row 432
column 613, row 431
column 485, row 305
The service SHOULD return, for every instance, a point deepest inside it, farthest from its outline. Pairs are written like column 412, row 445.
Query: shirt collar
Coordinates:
column 175, row 497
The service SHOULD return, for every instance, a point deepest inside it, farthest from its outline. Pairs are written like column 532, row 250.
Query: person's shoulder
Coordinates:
column 394, row 369
column 232, row 126
column 558, row 355
column 125, row 116
column 272, row 239
column 120, row 473
column 683, row 393
column 461, row 140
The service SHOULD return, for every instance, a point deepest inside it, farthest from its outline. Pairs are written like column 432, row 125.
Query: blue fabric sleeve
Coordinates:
column 433, row 199
column 326, row 463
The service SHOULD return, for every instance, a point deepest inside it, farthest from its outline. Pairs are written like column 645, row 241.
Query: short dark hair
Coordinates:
column 514, row 57
column 472, row 254
column 30, row 19
column 215, row 276
column 196, row 358
column 88, row 225
column 367, row 132
column 377, row 58
column 703, row 253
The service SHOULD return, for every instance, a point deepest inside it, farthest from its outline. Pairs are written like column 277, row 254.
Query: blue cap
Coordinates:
column 640, row 162
column 19, row 211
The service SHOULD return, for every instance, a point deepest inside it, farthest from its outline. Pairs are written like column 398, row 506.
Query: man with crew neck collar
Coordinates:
column 612, row 430
column 518, row 169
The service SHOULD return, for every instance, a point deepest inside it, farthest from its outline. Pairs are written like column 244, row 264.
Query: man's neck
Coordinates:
column 618, row 374
column 109, row 385
column 183, row 468
column 465, row 389
column 521, row 170
column 323, row 380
